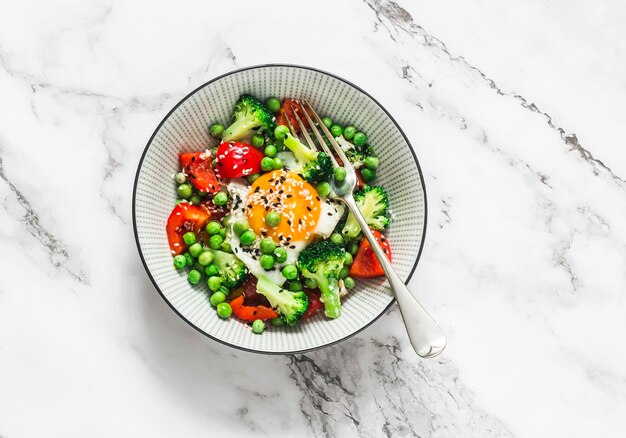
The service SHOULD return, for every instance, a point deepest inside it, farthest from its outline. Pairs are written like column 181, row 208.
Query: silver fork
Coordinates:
column 425, row 335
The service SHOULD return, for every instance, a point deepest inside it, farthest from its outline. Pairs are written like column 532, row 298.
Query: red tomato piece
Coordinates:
column 287, row 110
column 197, row 167
column 315, row 303
column 250, row 313
column 365, row 264
column 236, row 159
column 185, row 217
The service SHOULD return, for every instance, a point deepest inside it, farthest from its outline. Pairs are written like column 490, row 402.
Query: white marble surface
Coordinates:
column 516, row 113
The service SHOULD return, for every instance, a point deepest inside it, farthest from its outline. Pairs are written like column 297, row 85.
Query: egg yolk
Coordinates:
column 289, row 195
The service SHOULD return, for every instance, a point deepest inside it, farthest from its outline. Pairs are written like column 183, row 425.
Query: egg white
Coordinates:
column 330, row 214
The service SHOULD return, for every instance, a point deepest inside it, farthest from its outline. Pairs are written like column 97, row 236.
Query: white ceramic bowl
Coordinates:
column 185, row 129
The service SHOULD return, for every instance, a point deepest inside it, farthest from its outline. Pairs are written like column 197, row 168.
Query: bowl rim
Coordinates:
column 253, row 67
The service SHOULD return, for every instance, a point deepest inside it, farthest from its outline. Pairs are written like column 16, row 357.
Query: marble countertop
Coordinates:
column 516, row 113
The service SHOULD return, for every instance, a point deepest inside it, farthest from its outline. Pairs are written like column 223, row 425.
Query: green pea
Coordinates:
column 267, row 261
column 360, row 139
column 239, row 227
column 268, row 245
column 189, row 238
column 372, row 162
column 226, row 246
column 184, row 191
column 368, row 174
column 224, row 310
column 195, row 249
column 327, row 121
column 348, row 132
column 280, row 131
column 348, row 259
column 273, row 104
column 344, row 272
column 295, row 286
column 195, row 200
column 258, row 326
column 278, row 163
column 353, row 248
column 205, row 258
column 197, row 266
column 258, row 140
column 277, row 322
column 189, row 261
column 271, row 151
column 290, row 272
column 214, row 282
column 222, row 233
column 214, row 163
column 216, row 241
column 336, row 238
column 211, row 270
column 213, row 228
column 336, row 130
column 201, row 193
column 217, row 297
column 280, row 255
column 323, row 189
column 216, row 130
column 340, row 173
column 247, row 238
column 220, row 199
column 180, row 178
column 272, row 219
column 348, row 282
column 194, row 276
column 310, row 283
column 252, row 178
column 180, row 261
column 267, row 164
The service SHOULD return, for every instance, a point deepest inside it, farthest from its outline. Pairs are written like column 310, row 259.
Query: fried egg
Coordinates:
column 305, row 216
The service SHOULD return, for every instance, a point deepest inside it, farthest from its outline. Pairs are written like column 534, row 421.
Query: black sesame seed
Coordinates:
column 308, row 208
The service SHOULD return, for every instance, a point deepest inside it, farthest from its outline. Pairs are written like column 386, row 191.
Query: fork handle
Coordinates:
column 427, row 338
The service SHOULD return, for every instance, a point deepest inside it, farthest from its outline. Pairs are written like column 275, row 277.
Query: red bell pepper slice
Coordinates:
column 183, row 218
column 286, row 109
column 251, row 313
column 236, row 159
column 365, row 264
column 197, row 167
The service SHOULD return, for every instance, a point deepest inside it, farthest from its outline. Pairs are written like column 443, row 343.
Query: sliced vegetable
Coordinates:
column 197, row 167
column 315, row 303
column 365, row 264
column 183, row 219
column 251, row 313
column 286, row 109
column 236, row 159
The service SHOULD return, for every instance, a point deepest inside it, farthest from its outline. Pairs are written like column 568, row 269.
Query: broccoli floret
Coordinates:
column 355, row 155
column 291, row 305
column 231, row 269
column 373, row 203
column 322, row 262
column 250, row 115
column 313, row 166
